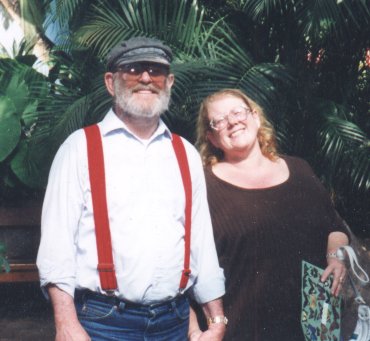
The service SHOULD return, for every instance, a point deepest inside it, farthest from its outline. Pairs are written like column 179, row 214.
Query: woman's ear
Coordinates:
column 211, row 138
column 256, row 117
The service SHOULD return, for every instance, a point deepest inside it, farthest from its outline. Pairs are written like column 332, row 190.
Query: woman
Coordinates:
column 269, row 213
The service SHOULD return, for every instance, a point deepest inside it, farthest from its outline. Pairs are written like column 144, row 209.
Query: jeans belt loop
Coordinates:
column 121, row 306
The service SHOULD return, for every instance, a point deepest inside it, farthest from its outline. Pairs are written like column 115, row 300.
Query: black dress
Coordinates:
column 262, row 235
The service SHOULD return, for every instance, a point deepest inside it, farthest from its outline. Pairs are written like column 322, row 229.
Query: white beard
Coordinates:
column 126, row 101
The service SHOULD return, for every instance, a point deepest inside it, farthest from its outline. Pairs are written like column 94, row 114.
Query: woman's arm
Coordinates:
column 335, row 266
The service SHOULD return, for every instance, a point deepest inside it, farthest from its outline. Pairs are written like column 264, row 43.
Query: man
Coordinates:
column 146, row 209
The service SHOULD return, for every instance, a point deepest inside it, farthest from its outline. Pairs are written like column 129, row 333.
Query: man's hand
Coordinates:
column 214, row 333
column 71, row 331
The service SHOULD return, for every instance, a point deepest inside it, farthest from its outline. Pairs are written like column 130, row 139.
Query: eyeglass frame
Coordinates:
column 162, row 70
column 225, row 118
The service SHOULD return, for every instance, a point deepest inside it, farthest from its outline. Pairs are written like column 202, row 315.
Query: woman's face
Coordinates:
column 239, row 125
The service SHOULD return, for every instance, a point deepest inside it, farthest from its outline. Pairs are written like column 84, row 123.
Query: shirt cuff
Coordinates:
column 66, row 287
column 208, row 291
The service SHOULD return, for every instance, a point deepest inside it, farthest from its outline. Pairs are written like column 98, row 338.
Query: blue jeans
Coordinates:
column 107, row 318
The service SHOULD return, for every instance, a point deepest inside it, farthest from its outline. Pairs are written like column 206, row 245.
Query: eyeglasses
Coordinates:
column 237, row 114
column 135, row 70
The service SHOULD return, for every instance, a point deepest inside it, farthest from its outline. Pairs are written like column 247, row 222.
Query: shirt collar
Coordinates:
column 112, row 123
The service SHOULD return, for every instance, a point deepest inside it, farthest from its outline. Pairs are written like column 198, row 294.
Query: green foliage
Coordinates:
column 324, row 117
column 302, row 61
column 10, row 128
column 4, row 265
column 20, row 90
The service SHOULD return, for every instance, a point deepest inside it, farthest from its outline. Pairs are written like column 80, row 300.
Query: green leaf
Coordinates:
column 27, row 164
column 17, row 91
column 30, row 114
column 7, row 107
column 10, row 127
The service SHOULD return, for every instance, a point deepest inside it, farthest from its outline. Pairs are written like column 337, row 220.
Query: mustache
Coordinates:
column 149, row 87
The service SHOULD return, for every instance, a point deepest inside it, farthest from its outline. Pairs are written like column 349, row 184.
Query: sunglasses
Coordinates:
column 133, row 71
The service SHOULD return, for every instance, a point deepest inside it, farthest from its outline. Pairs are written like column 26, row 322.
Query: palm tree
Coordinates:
column 324, row 116
column 284, row 54
column 30, row 16
column 77, row 95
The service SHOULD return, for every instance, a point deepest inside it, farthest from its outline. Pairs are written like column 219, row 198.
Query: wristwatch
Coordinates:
column 217, row 319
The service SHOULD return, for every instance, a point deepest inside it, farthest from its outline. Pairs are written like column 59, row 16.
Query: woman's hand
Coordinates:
column 338, row 269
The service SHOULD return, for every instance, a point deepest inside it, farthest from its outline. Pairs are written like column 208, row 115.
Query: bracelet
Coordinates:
column 337, row 254
column 331, row 255
column 217, row 319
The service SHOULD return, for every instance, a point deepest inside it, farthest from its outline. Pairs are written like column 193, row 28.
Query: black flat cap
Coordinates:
column 138, row 49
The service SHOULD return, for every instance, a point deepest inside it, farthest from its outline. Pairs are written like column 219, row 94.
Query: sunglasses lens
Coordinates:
column 155, row 71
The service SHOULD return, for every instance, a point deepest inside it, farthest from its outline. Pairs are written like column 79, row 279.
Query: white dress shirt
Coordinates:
column 146, row 208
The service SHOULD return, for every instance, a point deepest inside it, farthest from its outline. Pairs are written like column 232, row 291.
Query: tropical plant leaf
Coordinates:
column 10, row 127
column 27, row 165
column 342, row 145
column 179, row 23
column 17, row 91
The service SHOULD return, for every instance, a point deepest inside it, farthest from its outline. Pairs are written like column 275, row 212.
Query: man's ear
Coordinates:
column 170, row 80
column 211, row 138
column 108, row 79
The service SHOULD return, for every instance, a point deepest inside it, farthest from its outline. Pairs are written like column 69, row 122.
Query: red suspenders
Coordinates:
column 186, row 180
column 97, row 182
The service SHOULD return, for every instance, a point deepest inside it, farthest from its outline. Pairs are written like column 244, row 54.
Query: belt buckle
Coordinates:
column 110, row 293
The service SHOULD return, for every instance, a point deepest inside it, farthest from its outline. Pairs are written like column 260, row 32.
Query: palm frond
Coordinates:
column 179, row 23
column 62, row 11
column 259, row 10
column 343, row 147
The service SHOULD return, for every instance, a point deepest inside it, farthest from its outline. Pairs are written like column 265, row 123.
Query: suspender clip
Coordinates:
column 186, row 272
column 105, row 267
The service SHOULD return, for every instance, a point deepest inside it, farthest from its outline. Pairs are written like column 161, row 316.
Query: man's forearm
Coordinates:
column 63, row 305
column 214, row 309
column 66, row 322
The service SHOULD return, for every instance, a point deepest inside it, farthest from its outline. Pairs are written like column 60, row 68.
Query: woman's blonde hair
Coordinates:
column 209, row 153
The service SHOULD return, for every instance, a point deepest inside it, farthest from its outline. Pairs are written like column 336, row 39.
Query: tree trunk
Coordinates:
column 41, row 45
column 9, row 7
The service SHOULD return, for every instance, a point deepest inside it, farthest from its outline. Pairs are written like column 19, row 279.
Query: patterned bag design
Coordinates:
column 321, row 311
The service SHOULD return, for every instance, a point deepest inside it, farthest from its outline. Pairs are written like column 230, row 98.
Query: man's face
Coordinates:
column 142, row 89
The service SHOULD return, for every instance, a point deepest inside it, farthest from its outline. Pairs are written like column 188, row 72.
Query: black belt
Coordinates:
column 114, row 300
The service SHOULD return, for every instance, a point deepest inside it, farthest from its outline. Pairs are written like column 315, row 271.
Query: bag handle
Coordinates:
column 362, row 276
column 351, row 255
column 364, row 279
column 359, row 299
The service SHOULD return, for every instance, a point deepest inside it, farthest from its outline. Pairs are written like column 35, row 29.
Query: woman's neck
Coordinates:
column 246, row 159
column 254, row 171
